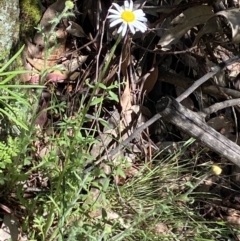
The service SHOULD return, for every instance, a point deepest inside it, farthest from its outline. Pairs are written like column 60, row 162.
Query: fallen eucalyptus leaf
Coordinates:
column 75, row 30
column 232, row 16
column 212, row 26
column 185, row 21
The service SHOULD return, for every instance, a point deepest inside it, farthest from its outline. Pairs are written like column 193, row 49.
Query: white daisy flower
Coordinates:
column 128, row 18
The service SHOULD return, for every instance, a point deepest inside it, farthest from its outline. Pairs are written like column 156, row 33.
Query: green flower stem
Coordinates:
column 110, row 58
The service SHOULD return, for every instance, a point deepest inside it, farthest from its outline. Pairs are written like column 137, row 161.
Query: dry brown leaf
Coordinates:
column 224, row 54
column 76, row 30
column 151, row 79
column 233, row 221
column 161, row 229
column 111, row 74
column 74, row 64
column 234, row 70
column 37, row 62
column 55, row 76
column 222, row 124
column 213, row 25
column 126, row 98
column 185, row 21
column 49, row 15
column 107, row 136
column 126, row 104
column 232, row 16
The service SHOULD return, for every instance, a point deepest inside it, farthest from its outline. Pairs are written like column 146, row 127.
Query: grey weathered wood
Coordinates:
column 191, row 123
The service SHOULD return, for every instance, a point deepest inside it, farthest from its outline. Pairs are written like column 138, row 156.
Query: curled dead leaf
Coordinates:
column 185, row 21
column 126, row 98
column 76, row 30
column 232, row 16
column 45, row 22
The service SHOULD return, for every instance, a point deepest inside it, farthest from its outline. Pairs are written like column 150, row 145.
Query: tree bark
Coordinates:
column 9, row 27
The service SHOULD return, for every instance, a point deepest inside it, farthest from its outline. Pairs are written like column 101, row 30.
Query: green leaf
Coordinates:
column 14, row 120
column 16, row 96
column 102, row 86
column 113, row 96
column 120, row 172
column 104, row 123
column 96, row 101
column 106, row 184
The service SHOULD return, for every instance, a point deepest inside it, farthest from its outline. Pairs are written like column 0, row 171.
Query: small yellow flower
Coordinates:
column 135, row 20
column 216, row 169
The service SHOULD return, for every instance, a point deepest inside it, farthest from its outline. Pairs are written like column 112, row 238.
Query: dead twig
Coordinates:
column 221, row 105
column 186, row 82
column 207, row 76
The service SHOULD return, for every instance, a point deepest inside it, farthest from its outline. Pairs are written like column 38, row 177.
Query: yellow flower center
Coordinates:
column 128, row 16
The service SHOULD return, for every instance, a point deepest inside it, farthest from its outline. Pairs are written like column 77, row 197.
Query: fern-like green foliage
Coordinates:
column 7, row 152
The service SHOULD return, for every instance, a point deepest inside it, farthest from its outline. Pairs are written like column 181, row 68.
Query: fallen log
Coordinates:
column 192, row 124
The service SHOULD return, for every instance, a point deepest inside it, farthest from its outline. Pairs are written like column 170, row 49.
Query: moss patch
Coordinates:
column 29, row 17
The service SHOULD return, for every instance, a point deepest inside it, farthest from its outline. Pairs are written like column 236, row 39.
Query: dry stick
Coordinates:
column 220, row 106
column 159, row 52
column 207, row 76
column 186, row 82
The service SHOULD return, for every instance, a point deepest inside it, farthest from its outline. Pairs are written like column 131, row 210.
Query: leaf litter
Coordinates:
column 197, row 36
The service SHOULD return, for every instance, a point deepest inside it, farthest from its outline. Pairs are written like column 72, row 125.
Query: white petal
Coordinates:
column 142, row 19
column 113, row 17
column 143, row 30
column 131, row 5
column 117, row 7
column 126, row 4
column 124, row 29
column 132, row 29
column 115, row 22
column 139, row 26
column 139, row 12
column 114, row 11
column 120, row 28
